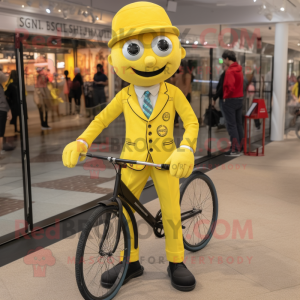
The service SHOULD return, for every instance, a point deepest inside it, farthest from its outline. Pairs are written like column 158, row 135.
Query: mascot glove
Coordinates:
column 181, row 163
column 72, row 152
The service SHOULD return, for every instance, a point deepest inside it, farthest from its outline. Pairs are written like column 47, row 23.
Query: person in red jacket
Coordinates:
column 233, row 101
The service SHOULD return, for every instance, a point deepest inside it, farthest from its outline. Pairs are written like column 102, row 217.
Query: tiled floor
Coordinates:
column 261, row 263
column 78, row 184
column 8, row 205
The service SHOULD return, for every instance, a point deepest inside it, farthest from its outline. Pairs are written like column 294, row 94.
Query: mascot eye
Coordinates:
column 133, row 50
column 162, row 46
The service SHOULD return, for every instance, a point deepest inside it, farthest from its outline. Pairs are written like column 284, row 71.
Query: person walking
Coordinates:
column 233, row 102
column 43, row 97
column 219, row 94
column 183, row 80
column 77, row 90
column 100, row 81
column 11, row 93
column 67, row 87
column 5, row 112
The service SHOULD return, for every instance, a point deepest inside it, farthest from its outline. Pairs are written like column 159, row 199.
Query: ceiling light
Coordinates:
column 187, row 42
column 298, row 44
column 283, row 6
column 228, row 45
column 205, row 43
column 22, row 5
column 254, row 0
column 264, row 6
column 59, row 10
column 196, row 42
column 50, row 8
column 97, row 18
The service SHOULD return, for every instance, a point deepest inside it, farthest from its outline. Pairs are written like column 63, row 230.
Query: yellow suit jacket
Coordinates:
column 153, row 137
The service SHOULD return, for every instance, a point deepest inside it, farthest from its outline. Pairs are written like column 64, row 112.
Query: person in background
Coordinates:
column 5, row 112
column 43, row 97
column 233, row 102
column 11, row 94
column 77, row 90
column 219, row 94
column 67, row 87
column 100, row 81
column 183, row 79
column 50, row 76
column 296, row 90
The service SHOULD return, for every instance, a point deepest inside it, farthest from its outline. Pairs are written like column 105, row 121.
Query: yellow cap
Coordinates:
column 138, row 18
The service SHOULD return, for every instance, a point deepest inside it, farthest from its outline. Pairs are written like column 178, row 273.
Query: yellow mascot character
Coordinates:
column 145, row 51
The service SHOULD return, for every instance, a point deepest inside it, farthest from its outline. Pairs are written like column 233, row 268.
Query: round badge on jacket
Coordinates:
column 166, row 116
column 162, row 130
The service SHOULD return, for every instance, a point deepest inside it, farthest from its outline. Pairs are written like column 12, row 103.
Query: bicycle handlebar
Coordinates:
column 126, row 161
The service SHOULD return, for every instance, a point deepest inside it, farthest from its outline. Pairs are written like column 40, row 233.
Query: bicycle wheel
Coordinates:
column 198, row 198
column 94, row 253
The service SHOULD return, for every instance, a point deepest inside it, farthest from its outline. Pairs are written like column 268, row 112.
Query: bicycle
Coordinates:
column 106, row 232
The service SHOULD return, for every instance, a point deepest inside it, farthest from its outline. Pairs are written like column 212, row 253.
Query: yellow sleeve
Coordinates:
column 101, row 121
column 189, row 119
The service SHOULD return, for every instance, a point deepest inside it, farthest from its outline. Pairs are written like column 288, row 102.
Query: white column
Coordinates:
column 111, row 83
column 279, row 81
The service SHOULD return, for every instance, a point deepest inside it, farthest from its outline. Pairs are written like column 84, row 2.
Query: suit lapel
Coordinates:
column 161, row 101
column 134, row 103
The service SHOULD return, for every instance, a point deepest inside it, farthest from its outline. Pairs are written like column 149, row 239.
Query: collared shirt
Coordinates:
column 140, row 91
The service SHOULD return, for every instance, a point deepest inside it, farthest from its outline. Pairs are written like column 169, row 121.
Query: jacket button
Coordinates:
column 149, row 126
column 151, row 150
column 150, row 141
column 150, row 133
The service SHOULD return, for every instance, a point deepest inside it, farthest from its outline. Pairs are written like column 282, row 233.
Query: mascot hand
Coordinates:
column 72, row 152
column 181, row 163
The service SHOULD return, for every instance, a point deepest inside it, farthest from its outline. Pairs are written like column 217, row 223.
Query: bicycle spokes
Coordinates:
column 98, row 256
column 197, row 211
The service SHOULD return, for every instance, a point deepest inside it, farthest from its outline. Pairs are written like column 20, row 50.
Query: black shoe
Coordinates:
column 108, row 278
column 181, row 278
column 220, row 126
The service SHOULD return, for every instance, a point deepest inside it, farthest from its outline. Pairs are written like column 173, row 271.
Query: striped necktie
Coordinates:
column 147, row 106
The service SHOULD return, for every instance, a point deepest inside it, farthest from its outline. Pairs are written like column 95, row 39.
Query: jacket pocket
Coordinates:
column 168, row 143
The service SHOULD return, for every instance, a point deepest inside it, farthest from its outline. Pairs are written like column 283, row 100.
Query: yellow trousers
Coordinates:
column 167, row 188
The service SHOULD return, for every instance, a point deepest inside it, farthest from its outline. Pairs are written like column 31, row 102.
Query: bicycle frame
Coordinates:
column 123, row 197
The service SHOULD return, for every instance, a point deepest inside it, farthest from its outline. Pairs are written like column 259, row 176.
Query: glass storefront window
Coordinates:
column 11, row 174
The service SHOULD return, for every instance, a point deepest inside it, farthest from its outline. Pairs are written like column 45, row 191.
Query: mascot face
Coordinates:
column 147, row 59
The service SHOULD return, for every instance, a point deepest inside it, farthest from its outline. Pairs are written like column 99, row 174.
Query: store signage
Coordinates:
column 63, row 29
